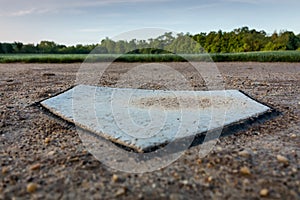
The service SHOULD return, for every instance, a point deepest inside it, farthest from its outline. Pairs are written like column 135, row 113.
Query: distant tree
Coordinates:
column 183, row 43
column 109, row 45
column 100, row 50
column 285, row 40
column 292, row 40
column 29, row 48
column 82, row 49
column 1, row 50
column 131, row 45
column 47, row 47
column 120, row 47
column 17, row 46
column 7, row 48
column 200, row 38
column 239, row 40
column 298, row 41
column 271, row 46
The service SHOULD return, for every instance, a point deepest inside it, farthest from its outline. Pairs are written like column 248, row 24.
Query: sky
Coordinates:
column 73, row 22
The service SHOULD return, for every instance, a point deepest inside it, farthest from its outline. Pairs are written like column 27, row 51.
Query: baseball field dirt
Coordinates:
column 43, row 158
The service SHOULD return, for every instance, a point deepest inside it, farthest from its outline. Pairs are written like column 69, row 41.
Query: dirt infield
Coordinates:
column 42, row 158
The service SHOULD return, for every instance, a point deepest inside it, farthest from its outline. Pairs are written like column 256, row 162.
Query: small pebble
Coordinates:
column 293, row 136
column 176, row 175
column 31, row 187
column 245, row 171
column 120, row 192
column 209, row 179
column 264, row 192
column 282, row 159
column 294, row 170
column 35, row 166
column 244, row 153
column 47, row 140
column 4, row 170
column 85, row 151
column 256, row 133
column 246, row 182
column 184, row 182
column 219, row 149
column 209, row 165
column 115, row 178
column 51, row 153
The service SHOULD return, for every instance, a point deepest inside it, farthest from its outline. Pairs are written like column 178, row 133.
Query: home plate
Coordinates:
column 145, row 119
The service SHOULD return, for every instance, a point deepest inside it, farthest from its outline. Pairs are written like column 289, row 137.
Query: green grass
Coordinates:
column 275, row 56
column 264, row 56
column 42, row 58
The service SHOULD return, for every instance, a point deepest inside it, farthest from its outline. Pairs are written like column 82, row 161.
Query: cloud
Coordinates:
column 22, row 12
column 26, row 11
column 17, row 8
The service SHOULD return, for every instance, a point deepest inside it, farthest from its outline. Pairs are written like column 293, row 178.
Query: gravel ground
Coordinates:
column 41, row 158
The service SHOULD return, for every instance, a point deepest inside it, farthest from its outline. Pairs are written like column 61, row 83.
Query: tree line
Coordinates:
column 239, row 40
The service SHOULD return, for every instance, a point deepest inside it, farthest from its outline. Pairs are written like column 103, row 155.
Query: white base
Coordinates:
column 143, row 119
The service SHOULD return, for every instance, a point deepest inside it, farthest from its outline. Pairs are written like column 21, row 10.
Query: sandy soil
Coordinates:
column 43, row 158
